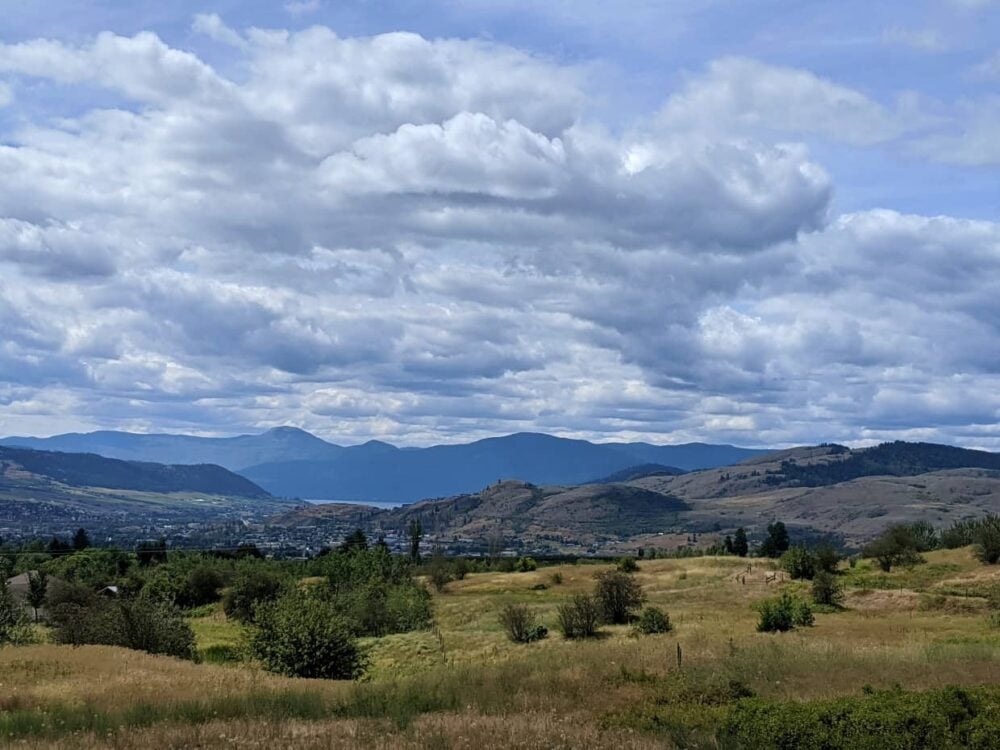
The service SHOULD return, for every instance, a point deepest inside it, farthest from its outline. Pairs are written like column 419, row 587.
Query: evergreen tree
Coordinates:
column 416, row 531
column 38, row 587
column 741, row 546
column 777, row 541
column 80, row 540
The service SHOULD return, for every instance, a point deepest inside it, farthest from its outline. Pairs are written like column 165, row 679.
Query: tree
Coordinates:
column 439, row 571
column 741, row 546
column 14, row 625
column 826, row 590
column 727, row 545
column 303, row 635
column 251, row 587
column 151, row 553
column 58, row 547
column 38, row 587
column 80, row 540
column 826, row 556
column 799, row 563
column 140, row 623
column 354, row 542
column 416, row 532
column 895, row 546
column 618, row 595
column 201, row 587
column 776, row 543
column 579, row 617
column 925, row 537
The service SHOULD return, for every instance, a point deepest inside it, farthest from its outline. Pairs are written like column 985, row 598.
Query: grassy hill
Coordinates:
column 464, row 685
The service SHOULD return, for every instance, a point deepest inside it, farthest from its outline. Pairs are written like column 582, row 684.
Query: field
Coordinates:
column 462, row 684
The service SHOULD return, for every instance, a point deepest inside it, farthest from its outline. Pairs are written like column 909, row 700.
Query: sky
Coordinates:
column 767, row 223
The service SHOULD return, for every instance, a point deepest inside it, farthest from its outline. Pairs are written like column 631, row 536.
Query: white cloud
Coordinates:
column 744, row 94
column 412, row 239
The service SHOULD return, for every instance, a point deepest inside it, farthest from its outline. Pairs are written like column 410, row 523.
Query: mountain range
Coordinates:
column 290, row 462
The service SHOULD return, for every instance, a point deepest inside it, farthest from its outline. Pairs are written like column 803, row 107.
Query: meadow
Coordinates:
column 462, row 684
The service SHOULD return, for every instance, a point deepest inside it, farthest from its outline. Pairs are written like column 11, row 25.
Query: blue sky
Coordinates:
column 764, row 223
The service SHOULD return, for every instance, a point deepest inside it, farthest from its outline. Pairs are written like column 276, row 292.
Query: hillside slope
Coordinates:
column 89, row 470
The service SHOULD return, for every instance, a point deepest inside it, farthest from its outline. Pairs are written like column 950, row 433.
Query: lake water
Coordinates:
column 374, row 504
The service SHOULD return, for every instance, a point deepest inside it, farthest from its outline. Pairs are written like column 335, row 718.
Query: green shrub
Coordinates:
column 826, row 589
column 252, row 585
column 579, row 617
column 520, row 625
column 627, row 565
column 526, row 565
column 826, row 556
column 15, row 626
column 653, row 620
column 302, row 635
column 783, row 613
column 948, row 718
column 149, row 625
column 201, row 586
column 986, row 540
column 799, row 563
column 556, row 578
column 618, row 595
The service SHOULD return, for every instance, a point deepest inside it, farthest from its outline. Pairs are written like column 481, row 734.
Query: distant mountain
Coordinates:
column 233, row 453
column 90, row 470
column 638, row 472
column 293, row 463
column 383, row 473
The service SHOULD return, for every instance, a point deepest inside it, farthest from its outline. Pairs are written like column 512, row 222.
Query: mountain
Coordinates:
column 384, row 473
column 90, row 470
column 293, row 463
column 233, row 453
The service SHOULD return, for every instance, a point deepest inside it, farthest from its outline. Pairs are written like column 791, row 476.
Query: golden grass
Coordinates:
column 462, row 684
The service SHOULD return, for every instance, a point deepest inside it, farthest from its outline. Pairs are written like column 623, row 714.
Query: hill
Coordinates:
column 293, row 463
column 45, row 492
column 89, row 470
column 638, row 472
column 512, row 510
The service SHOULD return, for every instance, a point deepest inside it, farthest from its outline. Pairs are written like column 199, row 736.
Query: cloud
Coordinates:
column 745, row 94
column 421, row 240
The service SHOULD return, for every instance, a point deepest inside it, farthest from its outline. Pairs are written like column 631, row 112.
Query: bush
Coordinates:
column 948, row 718
column 251, row 587
column 783, row 613
column 653, row 620
column 627, row 565
column 618, row 595
column 826, row 556
column 15, row 627
column 518, row 622
column 526, row 565
column 579, row 617
column 826, row 589
column 201, row 586
column 799, row 563
column 438, row 571
column 556, row 579
column 302, row 635
column 986, row 540
column 149, row 625
column 462, row 569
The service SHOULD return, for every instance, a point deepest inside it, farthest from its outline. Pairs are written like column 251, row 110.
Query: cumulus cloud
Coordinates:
column 422, row 240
